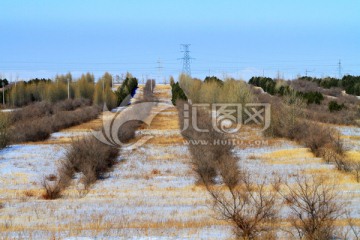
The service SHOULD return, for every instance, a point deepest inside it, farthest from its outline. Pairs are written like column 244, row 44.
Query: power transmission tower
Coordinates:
column 186, row 59
column 339, row 65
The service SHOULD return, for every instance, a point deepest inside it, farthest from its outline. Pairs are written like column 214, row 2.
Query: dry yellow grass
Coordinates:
column 167, row 140
column 353, row 155
column 332, row 175
column 165, row 157
column 165, row 122
column 290, row 156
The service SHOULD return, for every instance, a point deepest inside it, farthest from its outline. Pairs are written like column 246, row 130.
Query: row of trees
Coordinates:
column 351, row 84
column 280, row 88
column 64, row 87
column 216, row 91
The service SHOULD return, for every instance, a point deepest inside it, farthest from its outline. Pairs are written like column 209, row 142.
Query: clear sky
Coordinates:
column 240, row 38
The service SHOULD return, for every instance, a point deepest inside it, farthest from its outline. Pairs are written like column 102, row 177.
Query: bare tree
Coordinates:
column 355, row 166
column 354, row 230
column 314, row 207
column 251, row 207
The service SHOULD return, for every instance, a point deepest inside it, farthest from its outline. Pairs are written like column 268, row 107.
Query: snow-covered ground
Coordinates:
column 150, row 194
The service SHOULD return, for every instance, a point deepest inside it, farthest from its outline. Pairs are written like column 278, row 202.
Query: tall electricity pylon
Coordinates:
column 186, row 59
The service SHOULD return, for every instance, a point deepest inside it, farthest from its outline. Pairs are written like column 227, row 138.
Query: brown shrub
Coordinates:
column 209, row 158
column 36, row 129
column 39, row 129
column 35, row 110
column 87, row 155
column 91, row 157
column 249, row 207
column 317, row 136
column 314, row 207
column 355, row 166
column 41, row 109
column 65, row 119
column 71, row 104
column 52, row 190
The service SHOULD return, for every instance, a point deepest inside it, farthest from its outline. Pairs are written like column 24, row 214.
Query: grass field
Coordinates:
column 150, row 193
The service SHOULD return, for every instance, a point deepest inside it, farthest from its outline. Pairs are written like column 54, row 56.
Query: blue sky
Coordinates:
column 236, row 38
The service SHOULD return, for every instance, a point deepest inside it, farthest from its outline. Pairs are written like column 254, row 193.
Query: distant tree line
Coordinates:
column 273, row 87
column 64, row 87
column 351, row 84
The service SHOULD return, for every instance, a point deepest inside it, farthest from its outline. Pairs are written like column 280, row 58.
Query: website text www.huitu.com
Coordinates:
column 223, row 142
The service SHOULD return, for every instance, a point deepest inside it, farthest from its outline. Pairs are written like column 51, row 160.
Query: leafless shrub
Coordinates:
column 71, row 104
column 35, row 110
column 38, row 129
column 229, row 170
column 52, row 190
column 287, row 121
column 87, row 155
column 250, row 207
column 342, row 164
column 91, row 157
column 314, row 207
column 43, row 109
column 304, row 86
column 354, row 230
column 317, row 136
column 355, row 167
column 337, row 143
column 55, row 184
column 66, row 119
column 321, row 113
column 209, row 156
column 327, row 154
column 336, row 156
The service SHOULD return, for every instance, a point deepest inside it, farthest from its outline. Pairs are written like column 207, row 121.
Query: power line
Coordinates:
column 159, row 67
